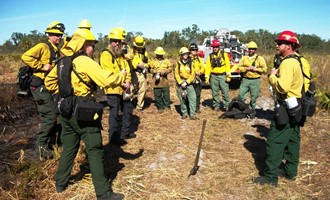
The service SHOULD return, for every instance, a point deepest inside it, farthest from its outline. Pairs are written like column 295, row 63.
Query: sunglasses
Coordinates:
column 280, row 42
column 116, row 41
column 252, row 49
column 54, row 34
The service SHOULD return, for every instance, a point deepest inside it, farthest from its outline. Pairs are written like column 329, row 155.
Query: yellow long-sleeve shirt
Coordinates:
column 37, row 57
column 198, row 65
column 90, row 71
column 288, row 81
column 138, row 59
column 115, row 65
column 184, row 72
column 247, row 61
column 160, row 66
column 224, row 68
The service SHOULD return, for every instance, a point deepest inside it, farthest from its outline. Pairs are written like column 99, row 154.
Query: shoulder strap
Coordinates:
column 254, row 62
column 53, row 55
column 299, row 60
column 112, row 55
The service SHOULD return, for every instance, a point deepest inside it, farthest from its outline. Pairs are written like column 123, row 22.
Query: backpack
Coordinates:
column 25, row 75
column 66, row 103
column 65, row 100
column 308, row 90
column 238, row 109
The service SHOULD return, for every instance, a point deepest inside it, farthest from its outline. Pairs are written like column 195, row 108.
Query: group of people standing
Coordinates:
column 122, row 73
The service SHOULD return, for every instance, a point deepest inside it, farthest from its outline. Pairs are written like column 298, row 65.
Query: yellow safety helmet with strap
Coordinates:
column 252, row 45
column 183, row 50
column 86, row 34
column 56, row 28
column 85, row 24
column 159, row 51
column 139, row 41
column 116, row 34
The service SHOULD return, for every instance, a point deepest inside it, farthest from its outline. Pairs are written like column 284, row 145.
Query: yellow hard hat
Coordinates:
column 159, row 51
column 139, row 41
column 85, row 24
column 55, row 27
column 116, row 33
column 252, row 45
column 123, row 30
column 86, row 34
column 183, row 50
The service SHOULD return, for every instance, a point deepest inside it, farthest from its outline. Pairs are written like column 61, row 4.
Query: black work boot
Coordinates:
column 110, row 196
column 262, row 180
column 45, row 153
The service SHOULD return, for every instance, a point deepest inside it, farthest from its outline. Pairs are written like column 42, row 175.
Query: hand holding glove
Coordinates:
column 127, row 84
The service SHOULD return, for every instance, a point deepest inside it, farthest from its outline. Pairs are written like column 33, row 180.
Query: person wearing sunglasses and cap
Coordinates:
column 87, row 73
column 41, row 59
column 252, row 66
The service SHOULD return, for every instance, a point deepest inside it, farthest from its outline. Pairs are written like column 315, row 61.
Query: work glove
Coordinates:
column 184, row 84
column 207, row 81
column 228, row 78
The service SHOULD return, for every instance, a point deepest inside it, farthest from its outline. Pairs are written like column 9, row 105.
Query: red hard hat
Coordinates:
column 215, row 43
column 200, row 53
column 288, row 36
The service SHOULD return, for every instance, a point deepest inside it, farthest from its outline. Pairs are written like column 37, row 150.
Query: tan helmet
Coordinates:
column 183, row 50
column 86, row 34
column 159, row 51
column 252, row 45
column 85, row 24
column 116, row 34
column 55, row 27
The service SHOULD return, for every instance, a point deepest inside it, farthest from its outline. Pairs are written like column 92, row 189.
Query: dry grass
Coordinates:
column 156, row 164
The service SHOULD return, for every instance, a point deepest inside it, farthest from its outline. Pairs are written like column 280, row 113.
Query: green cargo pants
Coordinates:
column 162, row 98
column 45, row 107
column 282, row 143
column 218, row 83
column 90, row 133
column 252, row 86
column 190, row 101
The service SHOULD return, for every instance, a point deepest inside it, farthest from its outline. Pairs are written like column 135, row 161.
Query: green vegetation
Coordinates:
column 173, row 40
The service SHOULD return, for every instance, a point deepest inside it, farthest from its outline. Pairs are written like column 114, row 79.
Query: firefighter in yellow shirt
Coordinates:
column 139, row 71
column 252, row 66
column 283, row 139
column 185, row 75
column 198, row 64
column 160, row 68
column 81, row 47
column 113, row 60
column 217, row 75
column 41, row 58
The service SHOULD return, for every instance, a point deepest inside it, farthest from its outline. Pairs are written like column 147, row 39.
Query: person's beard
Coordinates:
column 116, row 50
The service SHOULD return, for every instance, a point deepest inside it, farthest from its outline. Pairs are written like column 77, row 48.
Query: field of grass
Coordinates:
column 155, row 165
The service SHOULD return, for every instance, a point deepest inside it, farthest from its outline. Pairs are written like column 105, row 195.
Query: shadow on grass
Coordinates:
column 257, row 147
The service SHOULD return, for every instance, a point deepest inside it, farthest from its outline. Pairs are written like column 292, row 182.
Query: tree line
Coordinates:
column 174, row 40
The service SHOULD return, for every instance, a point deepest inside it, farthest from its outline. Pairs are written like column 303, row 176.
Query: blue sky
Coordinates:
column 153, row 18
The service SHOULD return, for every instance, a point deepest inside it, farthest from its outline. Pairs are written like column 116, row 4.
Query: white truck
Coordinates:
column 229, row 44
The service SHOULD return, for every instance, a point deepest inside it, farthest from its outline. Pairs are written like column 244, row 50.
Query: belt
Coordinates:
column 251, row 78
column 219, row 73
